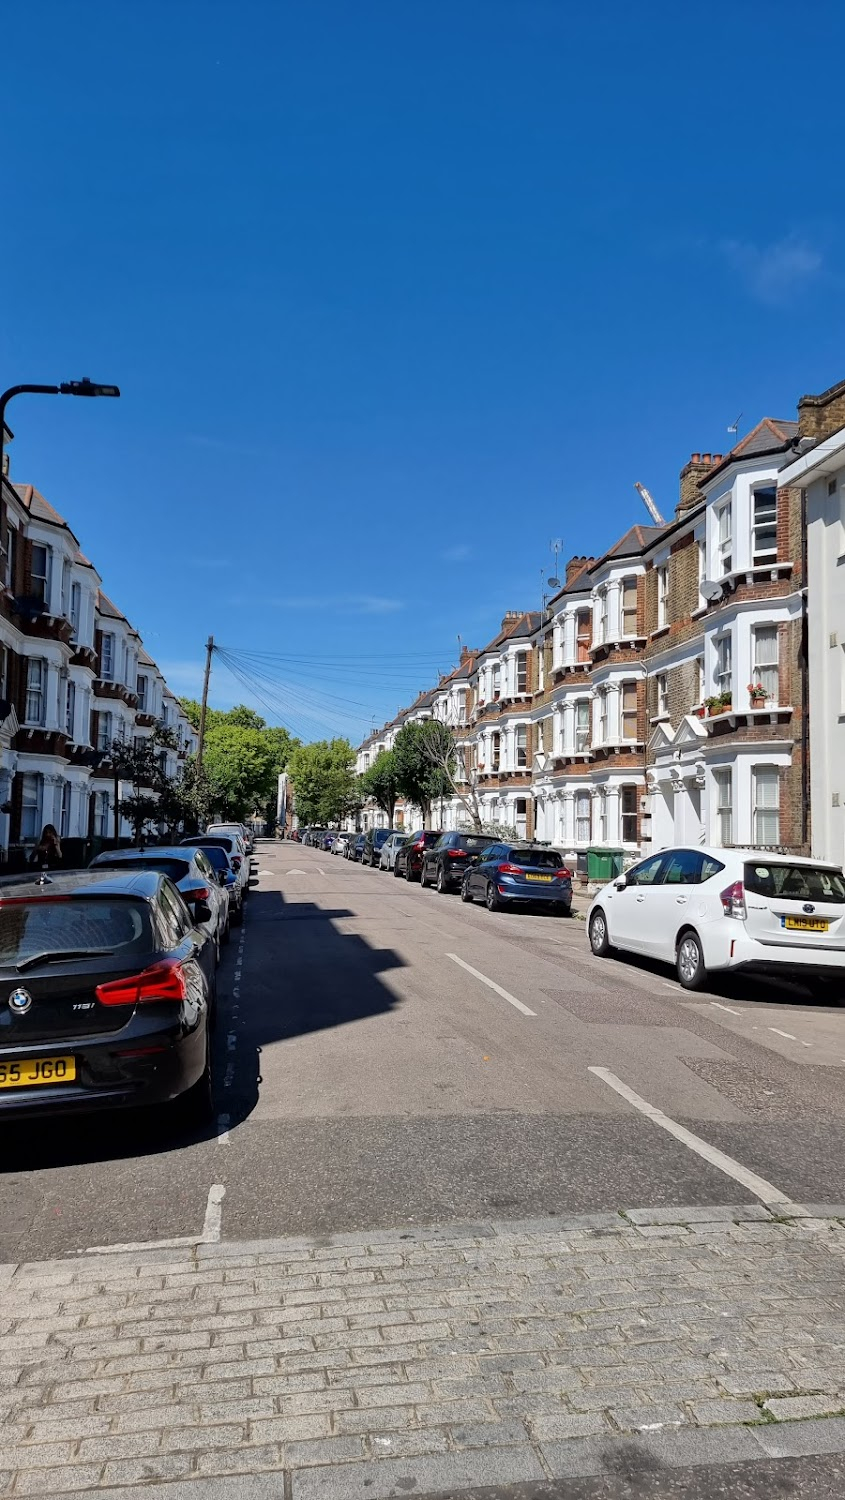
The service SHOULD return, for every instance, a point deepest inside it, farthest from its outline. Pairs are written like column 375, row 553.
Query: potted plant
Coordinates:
column 713, row 704
column 726, row 700
column 700, row 710
column 757, row 694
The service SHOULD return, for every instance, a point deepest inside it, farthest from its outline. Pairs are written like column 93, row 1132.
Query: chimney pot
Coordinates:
column 695, row 458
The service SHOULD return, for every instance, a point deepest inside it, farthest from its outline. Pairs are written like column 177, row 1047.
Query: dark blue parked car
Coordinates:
column 519, row 872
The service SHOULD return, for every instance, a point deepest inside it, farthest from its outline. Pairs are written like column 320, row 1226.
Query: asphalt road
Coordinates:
column 368, row 1078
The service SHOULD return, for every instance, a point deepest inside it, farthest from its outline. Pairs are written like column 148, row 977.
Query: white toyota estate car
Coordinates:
column 707, row 910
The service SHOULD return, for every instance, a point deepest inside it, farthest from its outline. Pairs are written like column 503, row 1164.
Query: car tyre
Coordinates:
column 440, row 883
column 689, row 961
column 491, row 899
column 409, row 873
column 423, row 880
column 598, row 934
column 466, row 893
column 396, row 871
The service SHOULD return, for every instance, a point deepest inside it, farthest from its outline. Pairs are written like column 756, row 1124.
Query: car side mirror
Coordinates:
column 221, row 877
column 621, row 882
column 202, row 911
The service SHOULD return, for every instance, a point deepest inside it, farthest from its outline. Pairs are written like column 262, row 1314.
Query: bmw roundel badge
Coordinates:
column 20, row 1001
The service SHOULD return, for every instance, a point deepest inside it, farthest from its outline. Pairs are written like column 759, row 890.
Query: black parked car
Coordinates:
column 192, row 874
column 374, row 838
column 445, row 862
column 355, row 849
column 508, row 873
column 408, row 861
column 107, row 992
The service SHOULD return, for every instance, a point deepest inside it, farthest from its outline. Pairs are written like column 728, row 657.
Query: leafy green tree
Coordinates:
column 380, row 783
column 240, row 764
column 324, row 781
column 419, row 776
column 192, row 709
column 246, row 717
column 141, row 764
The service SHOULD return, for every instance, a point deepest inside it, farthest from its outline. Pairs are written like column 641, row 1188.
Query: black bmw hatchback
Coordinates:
column 106, row 995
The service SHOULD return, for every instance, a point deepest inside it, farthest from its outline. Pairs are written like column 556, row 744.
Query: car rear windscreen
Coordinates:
column 66, row 926
column 177, row 869
column 794, row 882
column 216, row 857
column 475, row 841
column 540, row 859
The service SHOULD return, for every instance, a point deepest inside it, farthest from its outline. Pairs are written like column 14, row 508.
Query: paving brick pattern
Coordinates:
column 459, row 1356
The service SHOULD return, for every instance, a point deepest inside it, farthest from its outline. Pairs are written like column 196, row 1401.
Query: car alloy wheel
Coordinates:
column 491, row 900
column 409, row 873
column 690, row 962
column 396, row 870
column 599, row 941
column 423, row 881
column 466, row 894
column 441, row 881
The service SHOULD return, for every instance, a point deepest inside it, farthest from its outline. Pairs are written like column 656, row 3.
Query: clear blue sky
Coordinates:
column 396, row 293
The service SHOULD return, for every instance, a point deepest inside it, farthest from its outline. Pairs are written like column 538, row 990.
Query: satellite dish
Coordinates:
column 711, row 590
column 555, row 582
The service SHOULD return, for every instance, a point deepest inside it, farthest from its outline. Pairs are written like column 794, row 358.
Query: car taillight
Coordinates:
column 164, row 981
column 563, row 874
column 510, row 869
column 457, row 853
column 733, row 901
column 202, row 893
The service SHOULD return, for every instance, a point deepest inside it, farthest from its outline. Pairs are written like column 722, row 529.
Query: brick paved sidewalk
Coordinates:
column 428, row 1360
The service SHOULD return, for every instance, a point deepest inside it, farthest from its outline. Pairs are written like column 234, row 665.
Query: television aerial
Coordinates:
column 555, row 547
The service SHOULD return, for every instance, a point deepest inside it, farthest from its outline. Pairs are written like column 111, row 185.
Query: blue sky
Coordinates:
column 395, row 295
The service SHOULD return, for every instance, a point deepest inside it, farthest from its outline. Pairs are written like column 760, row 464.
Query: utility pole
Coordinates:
column 209, row 650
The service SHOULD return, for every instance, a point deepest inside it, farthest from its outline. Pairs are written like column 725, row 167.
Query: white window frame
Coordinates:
column 582, row 726
column 601, row 816
column 724, row 537
column 583, row 637
column 767, row 672
column 723, row 663
column 700, row 681
column 75, row 608
column 70, row 709
column 603, row 716
column 32, row 799
column 763, row 832
column 107, row 656
column 36, row 691
column 662, row 595
column 627, row 814
column 142, row 696
column 662, row 680
column 495, row 750
column 521, row 668
column 603, row 616
column 496, row 682
column 628, row 716
column 101, row 815
column 42, row 578
column 629, row 609
column 105, row 730
column 64, row 816
column 582, row 819
column 763, row 557
column 520, row 745
column 12, row 544
column 723, row 806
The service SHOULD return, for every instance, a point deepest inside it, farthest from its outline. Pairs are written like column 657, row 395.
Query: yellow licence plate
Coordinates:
column 546, row 878
column 37, row 1070
column 805, row 924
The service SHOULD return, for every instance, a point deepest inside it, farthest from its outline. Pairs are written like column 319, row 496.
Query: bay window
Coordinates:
column 64, row 821
column 766, row 793
column 495, row 750
column 602, row 716
column 662, row 595
column 522, row 672
column 36, row 690
column 31, row 794
column 141, row 690
column 628, row 803
column 629, row 606
column 724, row 539
column 39, row 573
column 601, row 816
column 723, row 803
column 582, row 635
column 629, row 710
column 764, row 526
column 497, row 681
column 75, row 605
column 601, row 635
column 582, row 726
column 105, row 732
column 764, row 668
column 582, row 817
column 107, row 657
column 101, row 815
column 724, row 665
column 521, row 745
column 70, row 711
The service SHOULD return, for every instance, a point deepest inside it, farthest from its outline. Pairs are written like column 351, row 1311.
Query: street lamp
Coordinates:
column 83, row 387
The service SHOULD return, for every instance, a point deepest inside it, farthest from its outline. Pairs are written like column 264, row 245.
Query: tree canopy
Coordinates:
column 324, row 781
column 241, row 765
column 419, row 776
column 380, row 783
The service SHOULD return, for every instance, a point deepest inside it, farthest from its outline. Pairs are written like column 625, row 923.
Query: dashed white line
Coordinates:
column 761, row 1189
column 787, row 1034
column 730, row 1012
column 491, row 985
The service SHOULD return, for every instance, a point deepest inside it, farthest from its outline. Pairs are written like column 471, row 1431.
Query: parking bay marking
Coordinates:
column 491, row 985
column 761, row 1189
column 210, row 1234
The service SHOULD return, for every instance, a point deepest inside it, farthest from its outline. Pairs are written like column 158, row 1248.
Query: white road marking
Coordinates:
column 491, row 985
column 730, row 1012
column 757, row 1185
column 210, row 1232
column 787, row 1034
column 222, row 1130
column 213, row 1214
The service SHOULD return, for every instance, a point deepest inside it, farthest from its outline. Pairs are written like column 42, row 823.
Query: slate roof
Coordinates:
column 110, row 611
column 39, row 508
column 772, row 435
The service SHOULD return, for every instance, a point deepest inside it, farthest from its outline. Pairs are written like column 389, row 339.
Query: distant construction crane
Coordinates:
column 649, row 504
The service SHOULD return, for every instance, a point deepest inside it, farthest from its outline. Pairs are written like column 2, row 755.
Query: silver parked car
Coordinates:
column 389, row 850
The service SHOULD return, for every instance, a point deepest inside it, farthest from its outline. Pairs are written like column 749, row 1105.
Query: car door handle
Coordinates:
column 641, row 898
column 682, row 900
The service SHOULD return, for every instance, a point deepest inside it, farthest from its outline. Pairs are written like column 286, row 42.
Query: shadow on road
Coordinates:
column 752, row 989
column 300, row 974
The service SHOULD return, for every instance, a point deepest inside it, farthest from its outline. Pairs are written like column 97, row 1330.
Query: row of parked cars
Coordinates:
column 108, row 976
column 703, row 910
column 500, row 873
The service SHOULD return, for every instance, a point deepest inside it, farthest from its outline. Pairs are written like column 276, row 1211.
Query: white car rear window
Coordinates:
column 794, row 882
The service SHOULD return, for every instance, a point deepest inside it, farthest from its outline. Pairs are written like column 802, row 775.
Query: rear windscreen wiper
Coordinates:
column 51, row 958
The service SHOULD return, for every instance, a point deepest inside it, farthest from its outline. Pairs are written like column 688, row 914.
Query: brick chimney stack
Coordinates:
column 511, row 618
column 576, row 566
column 467, row 652
column 692, row 474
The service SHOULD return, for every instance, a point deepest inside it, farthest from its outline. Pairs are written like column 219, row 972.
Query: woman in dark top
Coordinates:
column 47, row 854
